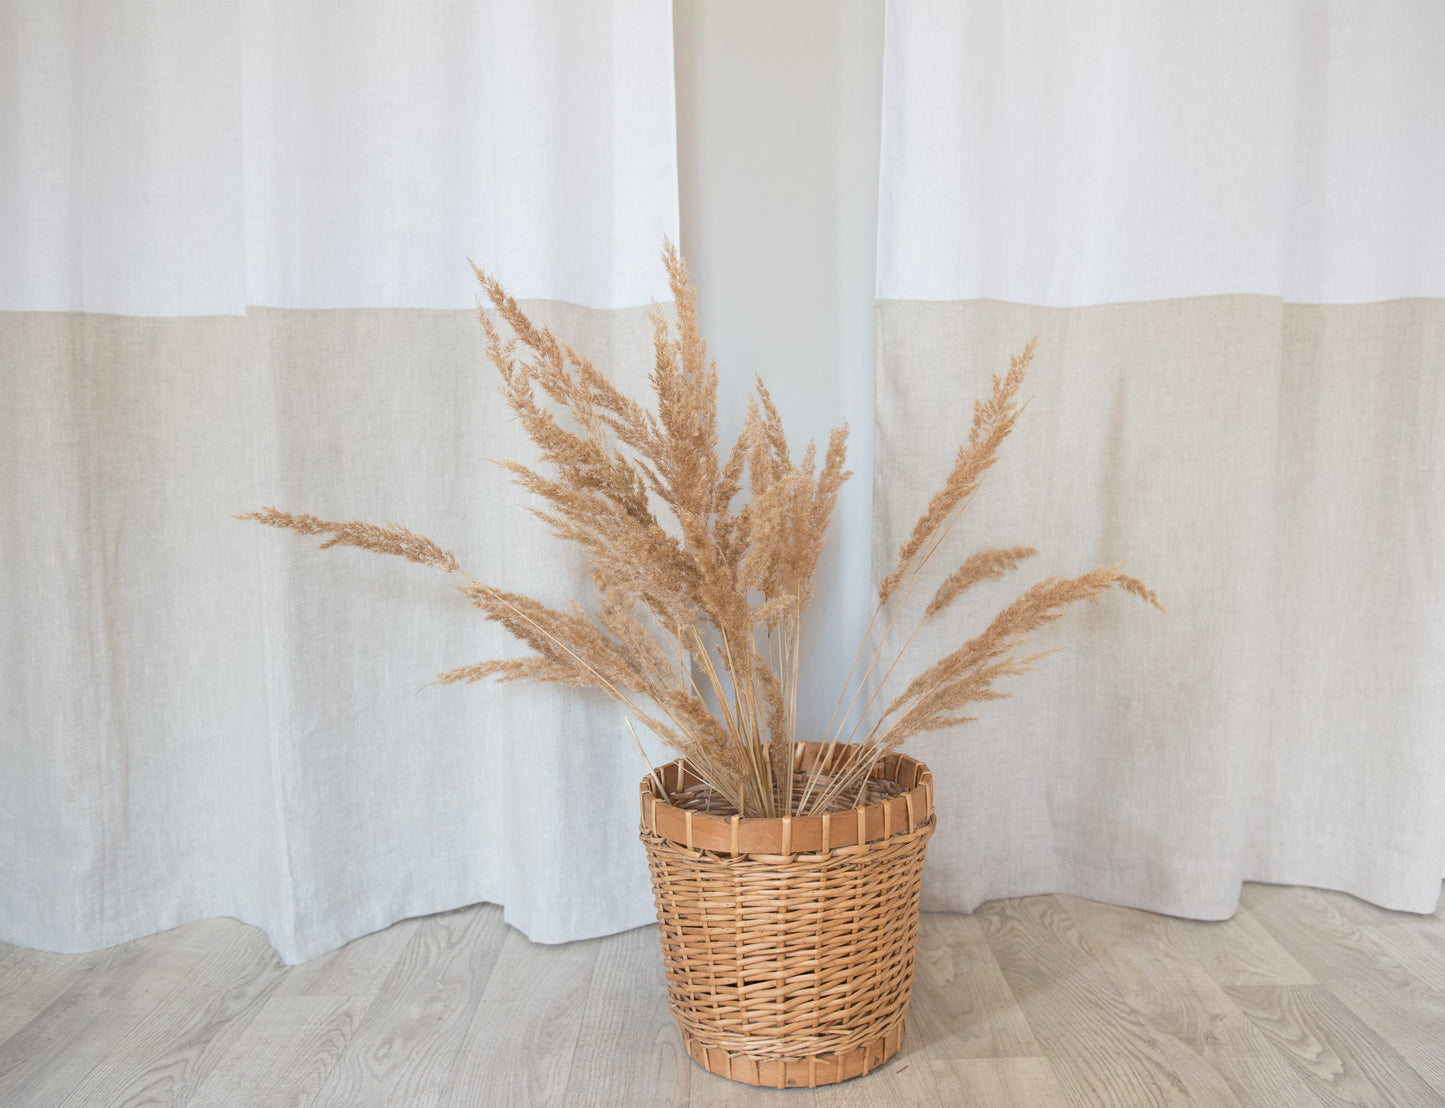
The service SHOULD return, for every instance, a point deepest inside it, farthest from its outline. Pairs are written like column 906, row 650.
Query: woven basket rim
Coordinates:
column 793, row 835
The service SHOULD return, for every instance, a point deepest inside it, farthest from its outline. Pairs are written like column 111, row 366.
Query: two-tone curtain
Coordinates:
column 233, row 243
column 233, row 273
column 1225, row 224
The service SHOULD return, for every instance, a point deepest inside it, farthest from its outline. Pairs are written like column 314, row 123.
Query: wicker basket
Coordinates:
column 789, row 943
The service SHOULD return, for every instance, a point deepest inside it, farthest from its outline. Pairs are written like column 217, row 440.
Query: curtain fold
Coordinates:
column 235, row 240
column 1220, row 224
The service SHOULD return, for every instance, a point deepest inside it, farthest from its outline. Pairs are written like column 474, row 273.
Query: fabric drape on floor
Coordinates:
column 1225, row 227
column 235, row 240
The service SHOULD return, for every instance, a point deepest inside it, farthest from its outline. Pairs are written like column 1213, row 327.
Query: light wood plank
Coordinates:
column 1344, row 1062
column 1102, row 1053
column 403, row 1050
column 1398, row 1005
column 166, row 1055
column 83, row 1026
column 1118, row 1000
column 519, row 1047
column 1419, row 946
column 285, row 1053
column 628, row 1048
column 13, row 1018
column 357, row 969
column 1222, row 1057
column 962, row 1005
column 1238, row 951
column 1359, row 912
column 708, row 1090
column 1002, row 1083
column 15, row 1012
column 31, row 979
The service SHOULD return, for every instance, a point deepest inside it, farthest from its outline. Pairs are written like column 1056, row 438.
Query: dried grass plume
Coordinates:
column 704, row 563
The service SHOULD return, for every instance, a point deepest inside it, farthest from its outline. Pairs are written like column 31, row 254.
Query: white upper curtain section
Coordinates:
column 1068, row 154
column 190, row 157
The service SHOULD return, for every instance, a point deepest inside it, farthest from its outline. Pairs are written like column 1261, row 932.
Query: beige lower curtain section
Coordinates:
column 1276, row 473
column 202, row 717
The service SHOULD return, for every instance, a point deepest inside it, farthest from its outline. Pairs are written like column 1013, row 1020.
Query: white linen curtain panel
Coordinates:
column 1226, row 224
column 233, row 272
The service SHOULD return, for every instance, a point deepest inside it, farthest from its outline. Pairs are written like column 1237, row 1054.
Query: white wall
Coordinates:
column 778, row 112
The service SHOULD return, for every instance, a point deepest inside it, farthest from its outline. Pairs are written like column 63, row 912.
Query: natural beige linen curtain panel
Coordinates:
column 1225, row 224
column 233, row 243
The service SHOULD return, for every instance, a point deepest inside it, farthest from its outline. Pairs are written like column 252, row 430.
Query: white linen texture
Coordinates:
column 194, row 157
column 1067, row 153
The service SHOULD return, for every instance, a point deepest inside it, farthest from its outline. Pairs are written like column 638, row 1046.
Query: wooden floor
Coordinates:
column 1303, row 998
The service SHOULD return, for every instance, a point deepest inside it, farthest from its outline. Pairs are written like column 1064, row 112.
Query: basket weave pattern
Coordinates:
column 789, row 943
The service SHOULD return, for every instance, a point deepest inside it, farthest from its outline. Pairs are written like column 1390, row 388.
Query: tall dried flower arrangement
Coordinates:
column 698, row 591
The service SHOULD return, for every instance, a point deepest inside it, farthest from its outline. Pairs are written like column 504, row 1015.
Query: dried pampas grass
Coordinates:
column 700, row 589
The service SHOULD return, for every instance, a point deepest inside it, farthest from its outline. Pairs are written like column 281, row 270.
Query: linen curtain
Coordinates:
column 234, row 240
column 1224, row 224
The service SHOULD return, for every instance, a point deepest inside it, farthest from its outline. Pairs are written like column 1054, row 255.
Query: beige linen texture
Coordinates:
column 1274, row 471
column 201, row 717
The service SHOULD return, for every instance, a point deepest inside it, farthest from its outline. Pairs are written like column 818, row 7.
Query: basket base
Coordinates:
column 804, row 1072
